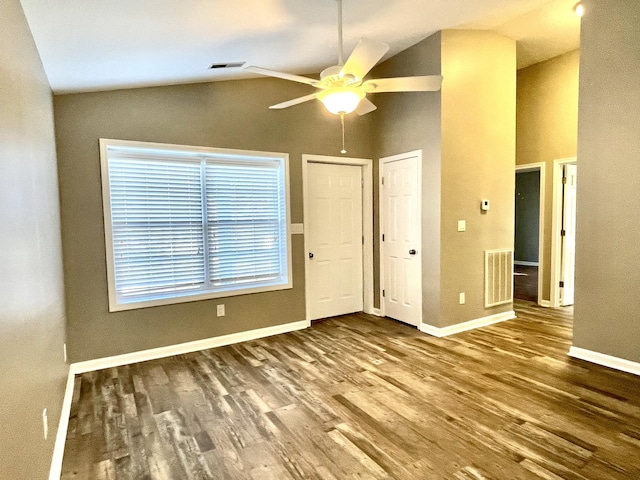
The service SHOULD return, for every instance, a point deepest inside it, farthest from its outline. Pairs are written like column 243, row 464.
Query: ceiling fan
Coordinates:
column 342, row 88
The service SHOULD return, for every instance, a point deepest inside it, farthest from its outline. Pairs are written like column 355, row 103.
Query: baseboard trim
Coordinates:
column 526, row 264
column 181, row 348
column 469, row 325
column 544, row 303
column 63, row 425
column 377, row 312
column 605, row 360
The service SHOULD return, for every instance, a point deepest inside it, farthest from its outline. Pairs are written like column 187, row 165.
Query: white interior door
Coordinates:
column 568, row 235
column 334, row 239
column 400, row 228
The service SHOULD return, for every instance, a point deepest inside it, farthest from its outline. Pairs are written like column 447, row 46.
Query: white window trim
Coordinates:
column 114, row 306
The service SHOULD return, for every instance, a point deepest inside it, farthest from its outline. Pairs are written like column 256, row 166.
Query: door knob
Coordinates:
column 310, row 255
column 412, row 252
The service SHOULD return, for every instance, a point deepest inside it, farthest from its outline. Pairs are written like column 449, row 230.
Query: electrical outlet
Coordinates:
column 462, row 298
column 220, row 310
column 45, row 423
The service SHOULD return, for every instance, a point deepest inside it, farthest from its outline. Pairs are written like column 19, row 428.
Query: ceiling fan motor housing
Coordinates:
column 334, row 77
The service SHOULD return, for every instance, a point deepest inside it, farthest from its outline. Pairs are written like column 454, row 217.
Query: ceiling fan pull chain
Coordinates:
column 342, row 123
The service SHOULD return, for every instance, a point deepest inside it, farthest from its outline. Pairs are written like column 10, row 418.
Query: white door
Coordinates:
column 400, row 240
column 334, row 239
column 568, row 235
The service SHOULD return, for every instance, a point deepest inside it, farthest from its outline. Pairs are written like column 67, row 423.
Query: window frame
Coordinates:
column 116, row 305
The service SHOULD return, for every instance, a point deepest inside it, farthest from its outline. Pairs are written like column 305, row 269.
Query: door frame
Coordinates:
column 381, row 161
column 538, row 167
column 556, row 227
column 366, row 166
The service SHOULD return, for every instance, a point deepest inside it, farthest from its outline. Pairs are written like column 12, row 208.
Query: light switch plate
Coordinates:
column 462, row 225
column 297, row 228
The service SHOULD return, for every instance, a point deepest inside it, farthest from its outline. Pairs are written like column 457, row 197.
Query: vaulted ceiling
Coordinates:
column 108, row 44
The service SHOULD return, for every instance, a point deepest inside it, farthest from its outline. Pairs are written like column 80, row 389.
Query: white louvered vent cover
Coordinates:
column 498, row 277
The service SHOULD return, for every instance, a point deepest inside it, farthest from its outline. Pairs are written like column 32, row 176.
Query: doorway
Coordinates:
column 529, row 232
column 565, row 174
column 338, row 235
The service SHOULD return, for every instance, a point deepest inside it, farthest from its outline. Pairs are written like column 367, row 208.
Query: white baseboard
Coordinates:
column 181, row 348
column 61, row 436
column 544, row 303
column 469, row 325
column 377, row 312
column 605, row 360
column 526, row 264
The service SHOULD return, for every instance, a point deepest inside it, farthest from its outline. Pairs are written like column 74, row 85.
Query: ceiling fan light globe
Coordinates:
column 578, row 9
column 341, row 99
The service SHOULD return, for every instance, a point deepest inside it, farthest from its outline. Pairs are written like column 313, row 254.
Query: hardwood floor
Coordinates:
column 525, row 283
column 363, row 397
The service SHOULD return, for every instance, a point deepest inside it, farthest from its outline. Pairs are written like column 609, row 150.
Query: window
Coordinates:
column 190, row 223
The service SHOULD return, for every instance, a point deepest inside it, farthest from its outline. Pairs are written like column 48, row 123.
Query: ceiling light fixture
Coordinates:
column 578, row 8
column 341, row 99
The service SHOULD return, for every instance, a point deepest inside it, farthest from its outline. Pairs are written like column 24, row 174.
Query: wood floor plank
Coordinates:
column 363, row 397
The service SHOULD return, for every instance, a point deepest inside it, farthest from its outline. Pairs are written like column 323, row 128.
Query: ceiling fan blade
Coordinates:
column 365, row 107
column 427, row 83
column 364, row 57
column 295, row 101
column 283, row 75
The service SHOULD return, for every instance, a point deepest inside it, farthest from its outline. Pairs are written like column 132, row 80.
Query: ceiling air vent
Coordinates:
column 215, row 66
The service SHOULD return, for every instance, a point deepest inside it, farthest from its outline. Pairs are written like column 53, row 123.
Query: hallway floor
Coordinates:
column 525, row 283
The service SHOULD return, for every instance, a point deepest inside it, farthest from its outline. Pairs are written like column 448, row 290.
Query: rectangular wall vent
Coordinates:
column 215, row 66
column 498, row 277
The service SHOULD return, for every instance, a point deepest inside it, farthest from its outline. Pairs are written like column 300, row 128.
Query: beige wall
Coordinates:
column 405, row 122
column 547, row 128
column 478, row 158
column 607, row 313
column 231, row 114
column 467, row 133
column 480, row 103
column 31, row 290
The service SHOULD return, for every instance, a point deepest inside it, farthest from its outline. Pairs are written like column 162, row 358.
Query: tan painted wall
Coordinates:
column 467, row 133
column 230, row 114
column 478, row 159
column 405, row 122
column 547, row 128
column 32, row 329
column 607, row 313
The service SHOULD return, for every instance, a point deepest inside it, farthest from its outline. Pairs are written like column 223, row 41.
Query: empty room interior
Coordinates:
column 319, row 239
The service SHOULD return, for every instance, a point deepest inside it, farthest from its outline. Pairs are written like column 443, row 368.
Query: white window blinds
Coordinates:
column 246, row 225
column 184, row 225
column 156, row 220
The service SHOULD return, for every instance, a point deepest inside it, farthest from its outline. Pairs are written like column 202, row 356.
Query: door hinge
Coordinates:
column 362, row 182
column 383, row 237
column 564, row 180
column 363, row 239
column 561, row 284
column 382, row 180
column 383, row 292
column 563, row 233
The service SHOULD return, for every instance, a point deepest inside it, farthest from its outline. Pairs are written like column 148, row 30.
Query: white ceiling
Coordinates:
column 90, row 45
